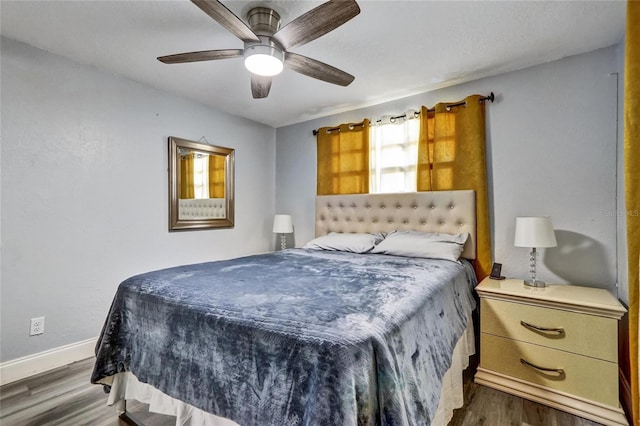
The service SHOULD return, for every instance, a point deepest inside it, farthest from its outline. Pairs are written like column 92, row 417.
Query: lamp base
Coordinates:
column 535, row 283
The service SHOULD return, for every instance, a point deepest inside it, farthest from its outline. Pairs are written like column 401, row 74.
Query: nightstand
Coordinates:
column 556, row 345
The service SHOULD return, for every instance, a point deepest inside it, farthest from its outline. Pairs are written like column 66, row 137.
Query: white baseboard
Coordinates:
column 30, row 365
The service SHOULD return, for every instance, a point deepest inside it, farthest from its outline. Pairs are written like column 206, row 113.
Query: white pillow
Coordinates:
column 431, row 245
column 354, row 243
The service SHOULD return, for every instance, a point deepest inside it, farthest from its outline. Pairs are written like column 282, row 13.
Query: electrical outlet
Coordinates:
column 37, row 326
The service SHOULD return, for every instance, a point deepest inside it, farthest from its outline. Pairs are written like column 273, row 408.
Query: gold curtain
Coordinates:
column 216, row 176
column 343, row 159
column 452, row 156
column 186, row 177
column 632, row 189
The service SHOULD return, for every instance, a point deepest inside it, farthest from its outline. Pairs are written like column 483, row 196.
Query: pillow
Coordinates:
column 431, row 245
column 354, row 243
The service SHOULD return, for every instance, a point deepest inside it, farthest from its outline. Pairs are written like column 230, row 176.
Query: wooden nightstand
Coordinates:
column 556, row 345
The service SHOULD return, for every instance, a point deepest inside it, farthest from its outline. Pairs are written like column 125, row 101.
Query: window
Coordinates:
column 201, row 176
column 394, row 156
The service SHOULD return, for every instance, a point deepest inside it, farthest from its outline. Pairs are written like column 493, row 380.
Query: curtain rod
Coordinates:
column 491, row 97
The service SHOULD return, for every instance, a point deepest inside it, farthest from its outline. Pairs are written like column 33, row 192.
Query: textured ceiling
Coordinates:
column 394, row 48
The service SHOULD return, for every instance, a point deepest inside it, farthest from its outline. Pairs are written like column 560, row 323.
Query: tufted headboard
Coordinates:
column 201, row 208
column 451, row 212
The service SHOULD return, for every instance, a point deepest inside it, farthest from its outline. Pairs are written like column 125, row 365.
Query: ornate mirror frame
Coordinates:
column 178, row 222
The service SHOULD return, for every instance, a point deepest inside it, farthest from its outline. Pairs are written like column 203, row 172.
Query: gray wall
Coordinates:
column 551, row 147
column 84, row 192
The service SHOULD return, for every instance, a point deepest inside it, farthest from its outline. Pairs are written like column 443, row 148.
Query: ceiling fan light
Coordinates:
column 264, row 60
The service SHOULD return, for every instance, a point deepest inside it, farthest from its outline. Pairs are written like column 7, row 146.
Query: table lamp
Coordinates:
column 534, row 232
column 282, row 224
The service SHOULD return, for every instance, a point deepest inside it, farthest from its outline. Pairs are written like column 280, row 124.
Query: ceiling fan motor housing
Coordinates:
column 263, row 21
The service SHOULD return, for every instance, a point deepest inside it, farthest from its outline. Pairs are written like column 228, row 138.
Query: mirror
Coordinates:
column 200, row 185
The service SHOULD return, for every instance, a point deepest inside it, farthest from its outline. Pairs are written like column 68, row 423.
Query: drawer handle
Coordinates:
column 558, row 371
column 558, row 330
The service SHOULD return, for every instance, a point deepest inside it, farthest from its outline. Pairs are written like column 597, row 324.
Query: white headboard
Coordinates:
column 201, row 208
column 451, row 212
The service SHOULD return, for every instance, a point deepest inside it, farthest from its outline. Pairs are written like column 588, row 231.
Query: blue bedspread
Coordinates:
column 297, row 337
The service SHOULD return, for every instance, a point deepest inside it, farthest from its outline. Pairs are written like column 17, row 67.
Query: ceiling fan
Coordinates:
column 266, row 45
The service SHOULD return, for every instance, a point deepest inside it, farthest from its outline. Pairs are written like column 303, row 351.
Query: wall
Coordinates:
column 84, row 192
column 551, row 148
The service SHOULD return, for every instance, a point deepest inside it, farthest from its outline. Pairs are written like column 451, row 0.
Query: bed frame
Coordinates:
column 449, row 212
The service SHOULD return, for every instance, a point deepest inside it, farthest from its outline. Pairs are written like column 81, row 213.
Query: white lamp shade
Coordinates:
column 534, row 232
column 282, row 224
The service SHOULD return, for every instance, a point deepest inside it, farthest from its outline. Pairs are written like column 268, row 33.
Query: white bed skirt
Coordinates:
column 126, row 386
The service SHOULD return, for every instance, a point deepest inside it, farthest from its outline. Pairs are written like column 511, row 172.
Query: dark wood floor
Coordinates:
column 65, row 397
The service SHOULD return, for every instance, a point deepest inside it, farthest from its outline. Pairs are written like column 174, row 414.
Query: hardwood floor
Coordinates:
column 65, row 397
column 486, row 406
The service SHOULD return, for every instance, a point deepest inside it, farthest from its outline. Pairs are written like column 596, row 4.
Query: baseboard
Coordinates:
column 30, row 365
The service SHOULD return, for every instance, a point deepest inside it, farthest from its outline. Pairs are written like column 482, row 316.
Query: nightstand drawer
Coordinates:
column 582, row 376
column 567, row 331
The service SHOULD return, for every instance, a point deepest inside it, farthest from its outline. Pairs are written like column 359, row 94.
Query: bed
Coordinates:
column 303, row 336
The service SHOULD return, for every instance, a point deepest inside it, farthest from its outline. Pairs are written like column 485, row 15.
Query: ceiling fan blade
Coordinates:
column 316, row 69
column 227, row 19
column 260, row 86
column 205, row 55
column 317, row 22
